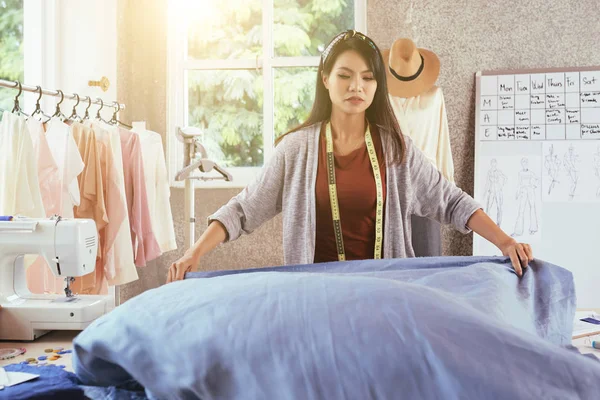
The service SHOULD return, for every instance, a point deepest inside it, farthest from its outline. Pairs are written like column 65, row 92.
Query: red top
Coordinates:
column 357, row 198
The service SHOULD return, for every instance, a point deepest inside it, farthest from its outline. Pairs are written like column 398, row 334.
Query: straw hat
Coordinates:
column 410, row 70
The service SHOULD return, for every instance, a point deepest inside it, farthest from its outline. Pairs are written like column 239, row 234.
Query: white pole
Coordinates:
column 189, row 212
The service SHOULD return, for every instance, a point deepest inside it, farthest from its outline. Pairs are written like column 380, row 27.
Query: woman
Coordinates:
column 350, row 157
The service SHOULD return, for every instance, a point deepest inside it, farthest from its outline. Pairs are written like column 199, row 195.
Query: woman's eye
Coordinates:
column 343, row 76
column 368, row 78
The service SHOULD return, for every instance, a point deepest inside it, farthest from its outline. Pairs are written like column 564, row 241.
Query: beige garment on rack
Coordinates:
column 92, row 205
column 424, row 119
column 157, row 188
column 115, row 204
column 19, row 180
column 122, row 249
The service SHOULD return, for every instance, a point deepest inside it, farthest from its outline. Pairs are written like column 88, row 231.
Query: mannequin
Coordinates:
column 421, row 112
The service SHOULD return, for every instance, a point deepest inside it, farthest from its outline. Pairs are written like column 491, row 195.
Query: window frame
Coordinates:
column 177, row 93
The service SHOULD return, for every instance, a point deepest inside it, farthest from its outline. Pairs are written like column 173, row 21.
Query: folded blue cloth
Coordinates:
column 53, row 383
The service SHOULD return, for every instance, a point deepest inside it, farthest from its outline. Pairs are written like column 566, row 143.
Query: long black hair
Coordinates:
column 380, row 111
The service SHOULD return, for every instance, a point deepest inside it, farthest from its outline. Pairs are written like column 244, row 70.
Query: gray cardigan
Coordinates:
column 287, row 183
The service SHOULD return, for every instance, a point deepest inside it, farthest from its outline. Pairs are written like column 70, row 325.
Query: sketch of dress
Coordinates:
column 571, row 160
column 493, row 190
column 597, row 169
column 552, row 165
column 528, row 182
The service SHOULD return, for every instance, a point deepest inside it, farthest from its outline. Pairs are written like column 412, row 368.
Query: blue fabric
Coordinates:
column 543, row 301
column 53, row 383
column 113, row 393
column 451, row 328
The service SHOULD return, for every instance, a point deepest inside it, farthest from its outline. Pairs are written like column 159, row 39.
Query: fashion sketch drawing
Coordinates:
column 552, row 164
column 571, row 160
column 528, row 182
column 493, row 190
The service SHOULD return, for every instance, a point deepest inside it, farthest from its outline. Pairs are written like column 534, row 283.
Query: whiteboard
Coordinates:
column 537, row 166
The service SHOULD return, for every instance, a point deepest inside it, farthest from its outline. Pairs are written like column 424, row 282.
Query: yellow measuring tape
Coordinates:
column 333, row 199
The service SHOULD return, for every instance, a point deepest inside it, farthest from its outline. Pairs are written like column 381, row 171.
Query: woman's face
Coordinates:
column 351, row 83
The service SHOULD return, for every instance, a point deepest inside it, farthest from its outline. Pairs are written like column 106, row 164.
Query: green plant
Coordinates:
column 228, row 104
column 11, row 47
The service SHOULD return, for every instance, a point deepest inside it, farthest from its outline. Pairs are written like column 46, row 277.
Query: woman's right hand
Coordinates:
column 212, row 236
column 187, row 263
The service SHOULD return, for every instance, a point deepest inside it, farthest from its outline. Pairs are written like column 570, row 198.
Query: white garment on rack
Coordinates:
column 19, row 188
column 69, row 163
column 122, row 250
column 424, row 119
column 157, row 188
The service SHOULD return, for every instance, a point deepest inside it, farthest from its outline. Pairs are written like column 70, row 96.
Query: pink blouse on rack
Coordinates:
column 144, row 242
column 40, row 279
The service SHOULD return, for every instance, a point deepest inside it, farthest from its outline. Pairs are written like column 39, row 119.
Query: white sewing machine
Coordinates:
column 69, row 247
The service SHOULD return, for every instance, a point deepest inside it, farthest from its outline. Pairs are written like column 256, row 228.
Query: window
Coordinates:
column 27, row 50
column 11, row 48
column 244, row 71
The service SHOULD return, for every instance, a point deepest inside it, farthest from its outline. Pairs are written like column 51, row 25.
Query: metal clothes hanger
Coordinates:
column 98, row 116
column 188, row 136
column 74, row 116
column 38, row 109
column 17, row 108
column 204, row 165
column 87, row 114
column 58, row 113
column 114, row 120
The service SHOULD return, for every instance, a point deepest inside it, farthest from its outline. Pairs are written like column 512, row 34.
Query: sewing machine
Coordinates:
column 69, row 246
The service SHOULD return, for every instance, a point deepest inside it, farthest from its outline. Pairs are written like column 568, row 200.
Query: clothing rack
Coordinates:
column 56, row 93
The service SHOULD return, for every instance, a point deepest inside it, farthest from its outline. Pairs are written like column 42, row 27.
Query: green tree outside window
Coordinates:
column 11, row 48
column 228, row 104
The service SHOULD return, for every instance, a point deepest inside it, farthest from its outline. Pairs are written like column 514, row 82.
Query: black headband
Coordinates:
column 412, row 77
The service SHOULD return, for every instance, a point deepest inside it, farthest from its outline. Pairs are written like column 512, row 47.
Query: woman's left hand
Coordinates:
column 520, row 254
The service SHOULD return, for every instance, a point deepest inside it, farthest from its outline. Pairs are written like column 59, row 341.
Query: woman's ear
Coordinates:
column 325, row 80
